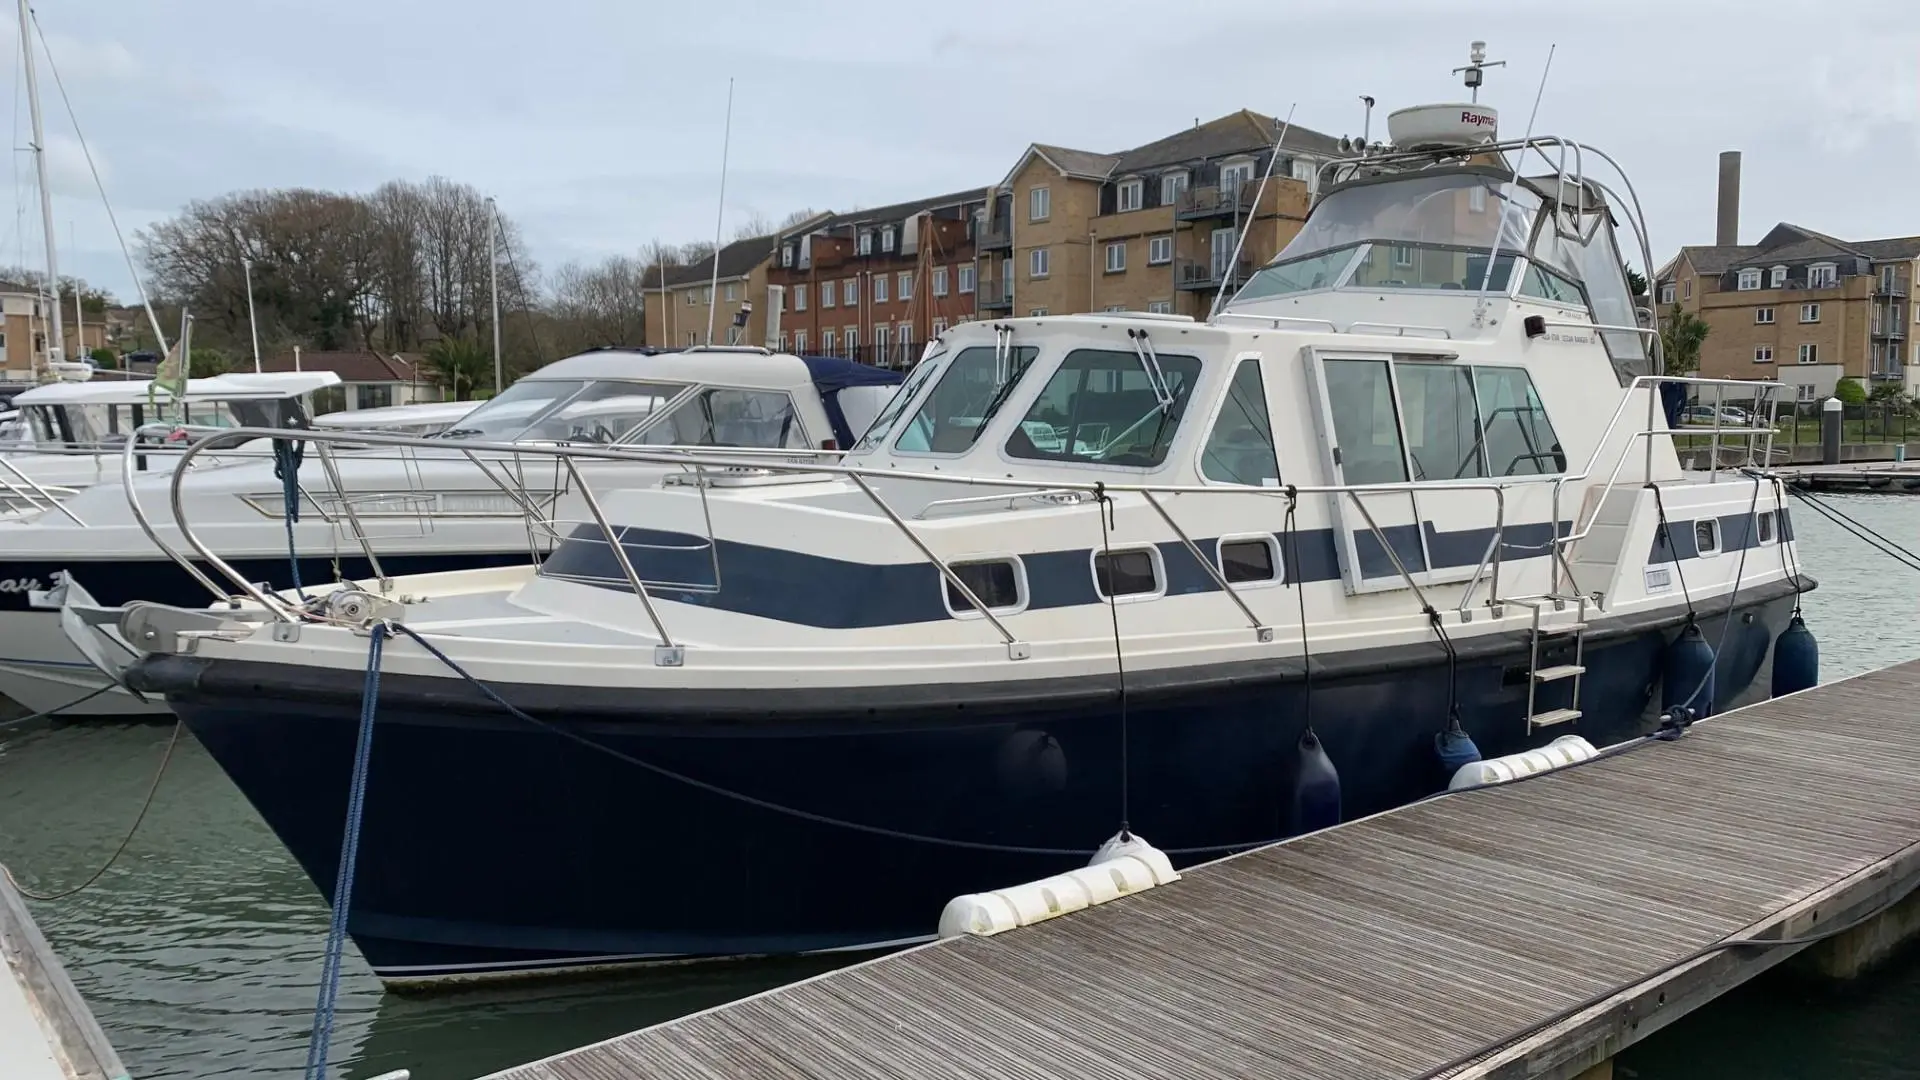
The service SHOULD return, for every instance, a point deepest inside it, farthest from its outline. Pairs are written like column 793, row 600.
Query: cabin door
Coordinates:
column 1358, row 415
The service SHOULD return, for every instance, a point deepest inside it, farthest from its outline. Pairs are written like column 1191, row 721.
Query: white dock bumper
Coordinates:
column 1120, row 867
column 1558, row 754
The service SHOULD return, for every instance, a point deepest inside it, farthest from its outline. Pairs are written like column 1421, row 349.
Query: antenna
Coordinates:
column 1477, row 65
column 1244, row 229
column 1366, row 126
column 1486, row 279
column 726, row 143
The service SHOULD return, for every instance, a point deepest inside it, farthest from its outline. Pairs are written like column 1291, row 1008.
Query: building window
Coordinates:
column 1171, row 185
column 904, row 335
column 1038, row 263
column 1762, row 316
column 850, row 338
column 693, row 296
column 799, row 341
column 939, row 281
column 1809, row 353
column 1233, row 176
column 1763, row 354
column 1666, row 291
column 1131, row 195
column 882, row 341
column 1810, row 313
column 866, row 243
column 1477, row 199
column 1116, row 257
column 827, row 294
column 1039, row 204
column 1037, row 312
column 850, row 292
column 1302, row 170
column 1749, row 280
column 966, row 278
column 1159, row 251
column 879, row 288
column 1159, row 307
column 939, row 327
column 1888, row 278
column 786, row 255
column 1402, row 255
column 826, row 342
column 1822, row 276
column 1686, row 289
column 783, row 341
column 733, row 292
column 1777, row 278
column 1114, row 309
column 799, row 298
column 1804, row 392
column 905, row 283
column 886, row 238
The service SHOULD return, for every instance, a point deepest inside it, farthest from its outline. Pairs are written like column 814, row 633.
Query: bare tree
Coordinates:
column 754, row 224
column 603, row 304
column 805, row 213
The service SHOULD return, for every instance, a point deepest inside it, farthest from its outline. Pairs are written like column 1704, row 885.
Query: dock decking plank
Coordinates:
column 1386, row 947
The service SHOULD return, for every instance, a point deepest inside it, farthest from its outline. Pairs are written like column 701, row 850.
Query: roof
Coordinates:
column 731, row 366
column 894, row 212
column 395, row 415
column 237, row 386
column 1239, row 132
column 737, row 260
column 1790, row 243
column 364, row 366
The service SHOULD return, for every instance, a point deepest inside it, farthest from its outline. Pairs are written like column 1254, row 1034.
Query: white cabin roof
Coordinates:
column 751, row 368
column 236, row 386
column 396, row 415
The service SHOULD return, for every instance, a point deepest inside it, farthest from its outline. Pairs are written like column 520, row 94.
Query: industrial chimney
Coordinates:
column 1727, row 230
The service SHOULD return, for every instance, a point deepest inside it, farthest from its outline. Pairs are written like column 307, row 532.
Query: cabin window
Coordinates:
column 573, row 410
column 1239, row 450
column 1544, row 284
column 1251, row 560
column 1442, row 439
column 1764, row 526
column 724, row 416
column 1100, row 407
column 1366, row 427
column 889, row 415
column 1129, row 572
column 1518, row 438
column 963, row 403
column 1706, row 536
column 997, row 582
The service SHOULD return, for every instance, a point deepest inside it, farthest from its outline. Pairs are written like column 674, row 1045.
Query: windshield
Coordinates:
column 889, row 416
column 566, row 410
column 728, row 416
column 1101, row 407
column 965, row 400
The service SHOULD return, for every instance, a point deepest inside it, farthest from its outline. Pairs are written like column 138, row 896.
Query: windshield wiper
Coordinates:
column 460, row 433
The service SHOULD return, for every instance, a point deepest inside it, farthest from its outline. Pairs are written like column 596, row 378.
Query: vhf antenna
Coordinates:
column 1477, row 65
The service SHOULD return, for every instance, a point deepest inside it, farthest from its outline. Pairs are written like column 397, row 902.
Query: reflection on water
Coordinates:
column 200, row 950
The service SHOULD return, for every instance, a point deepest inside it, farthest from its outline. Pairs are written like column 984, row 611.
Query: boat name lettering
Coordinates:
column 19, row 585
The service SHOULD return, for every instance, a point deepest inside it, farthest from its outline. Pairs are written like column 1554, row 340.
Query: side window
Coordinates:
column 997, row 582
column 723, row 416
column 965, row 400
column 1128, row 572
column 1100, row 407
column 1366, row 429
column 1441, row 425
column 1764, row 524
column 1239, row 450
column 1250, row 560
column 1517, row 437
column 1544, row 284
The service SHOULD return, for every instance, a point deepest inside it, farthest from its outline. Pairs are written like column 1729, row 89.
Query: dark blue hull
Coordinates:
column 491, row 845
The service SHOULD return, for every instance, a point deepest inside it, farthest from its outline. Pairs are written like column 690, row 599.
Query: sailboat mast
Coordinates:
column 56, row 342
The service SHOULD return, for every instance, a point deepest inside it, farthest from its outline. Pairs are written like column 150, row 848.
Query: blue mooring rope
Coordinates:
column 343, row 877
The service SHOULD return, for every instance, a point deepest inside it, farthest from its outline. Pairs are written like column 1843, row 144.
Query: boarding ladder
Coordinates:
column 1550, row 642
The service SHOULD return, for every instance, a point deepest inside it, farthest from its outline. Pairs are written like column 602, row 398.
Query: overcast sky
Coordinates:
column 598, row 125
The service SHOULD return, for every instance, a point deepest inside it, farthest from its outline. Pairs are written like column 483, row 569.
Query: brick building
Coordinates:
column 679, row 298
column 877, row 284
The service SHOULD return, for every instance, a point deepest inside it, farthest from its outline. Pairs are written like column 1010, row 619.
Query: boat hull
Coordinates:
column 492, row 846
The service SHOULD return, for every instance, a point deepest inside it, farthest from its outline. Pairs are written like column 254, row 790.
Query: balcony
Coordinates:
column 1883, row 287
column 997, row 236
column 1201, row 203
column 993, row 294
column 1889, row 331
column 1198, row 275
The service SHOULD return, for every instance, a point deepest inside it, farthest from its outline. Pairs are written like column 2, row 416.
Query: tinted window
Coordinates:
column 1442, row 425
column 1366, row 430
column 997, row 584
column 1246, row 560
column 1239, row 450
column 1766, row 527
column 965, row 400
column 1100, row 407
column 1124, row 573
column 1519, row 440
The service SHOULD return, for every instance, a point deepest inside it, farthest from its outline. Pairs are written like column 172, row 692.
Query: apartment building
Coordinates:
column 683, row 301
column 1801, row 307
column 877, row 284
column 1153, row 228
column 23, row 331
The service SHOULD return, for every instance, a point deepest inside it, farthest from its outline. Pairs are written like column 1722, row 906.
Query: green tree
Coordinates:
column 105, row 358
column 1636, row 284
column 1850, row 392
column 208, row 361
column 1680, row 339
column 460, row 366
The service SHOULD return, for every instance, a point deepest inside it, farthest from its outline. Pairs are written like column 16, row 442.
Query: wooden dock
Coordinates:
column 46, row 1030
column 1880, row 477
column 1528, row 930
